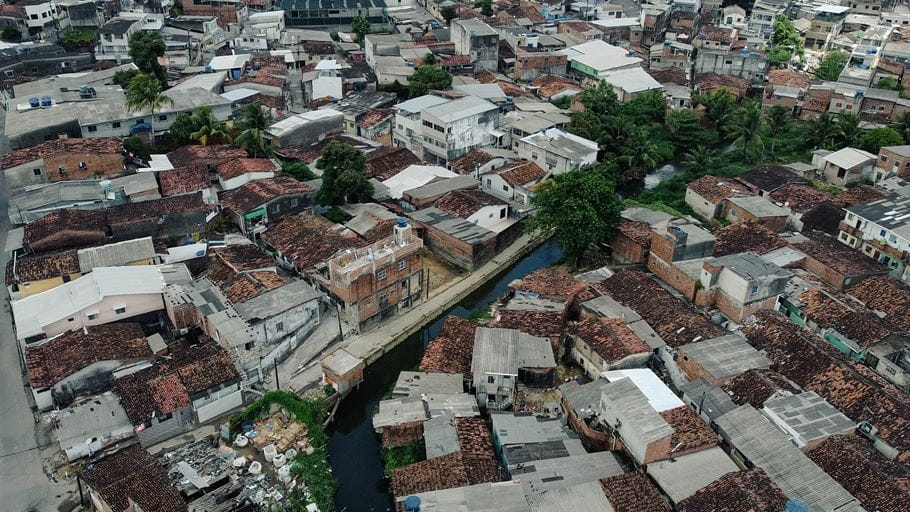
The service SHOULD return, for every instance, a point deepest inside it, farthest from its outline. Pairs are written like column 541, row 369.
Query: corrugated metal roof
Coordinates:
column 120, row 253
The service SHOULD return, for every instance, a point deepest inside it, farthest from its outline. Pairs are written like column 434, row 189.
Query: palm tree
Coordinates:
column 822, row 131
column 719, row 106
column 746, row 129
column 903, row 126
column 208, row 128
column 638, row 155
column 699, row 159
column 255, row 120
column 848, row 129
column 253, row 143
column 777, row 119
column 144, row 93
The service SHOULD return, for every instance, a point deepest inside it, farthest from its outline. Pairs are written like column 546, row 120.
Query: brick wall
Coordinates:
column 592, row 440
column 662, row 247
column 903, row 164
column 106, row 164
column 659, row 450
column 692, row 369
column 672, row 276
column 626, row 250
column 734, row 213
column 737, row 312
column 826, row 273
column 225, row 15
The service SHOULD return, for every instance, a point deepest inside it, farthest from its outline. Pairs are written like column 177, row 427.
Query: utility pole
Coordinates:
column 277, row 384
column 338, row 314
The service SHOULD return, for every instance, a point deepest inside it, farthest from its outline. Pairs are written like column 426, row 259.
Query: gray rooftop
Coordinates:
column 276, row 301
column 456, row 227
column 504, row 351
column 891, row 212
column 544, row 475
column 768, row 448
column 510, row 428
column 624, row 404
column 495, row 497
column 399, row 411
column 707, row 398
column 900, row 150
column 120, row 253
column 581, row 497
column 418, row 104
column 417, row 383
column 725, row 356
column 440, row 187
column 95, row 417
column 517, row 455
column 560, row 145
column 461, row 108
column 440, row 437
column 808, row 416
column 475, row 27
column 759, row 206
column 461, row 405
column 682, row 477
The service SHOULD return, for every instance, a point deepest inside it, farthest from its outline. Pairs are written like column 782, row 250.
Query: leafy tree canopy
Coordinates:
column 300, row 171
column 831, row 66
column 448, row 13
column 428, row 78
column 343, row 175
column 145, row 48
column 580, row 207
column 11, row 35
column 123, row 77
column 361, row 27
column 876, row 138
column 890, row 83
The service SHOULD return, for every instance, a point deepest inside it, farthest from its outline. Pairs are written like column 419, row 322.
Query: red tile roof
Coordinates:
column 885, row 294
column 740, row 491
column 156, row 208
column 838, row 257
column 878, row 483
column 755, row 386
column 769, row 177
column 709, row 81
column 789, row 78
column 611, row 339
column 811, row 363
column 633, row 492
column 464, row 203
column 212, row 155
column 636, row 231
column 184, row 180
column 445, row 472
column 716, row 189
column 42, row 266
column 308, row 240
column 452, row 349
column 243, row 257
column 521, row 173
column 50, row 362
column 545, row 324
column 859, row 195
column 670, row 75
column 551, row 85
column 241, row 166
column 386, row 162
column 60, row 146
column 746, row 237
column 690, row 433
column 71, row 229
column 857, row 323
column 375, row 116
column 800, row 198
column 254, row 194
column 247, row 285
column 471, row 161
column 132, row 475
column 549, row 283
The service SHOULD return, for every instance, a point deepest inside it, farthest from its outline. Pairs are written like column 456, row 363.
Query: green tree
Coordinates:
column 830, row 67
column 429, row 59
column 746, row 130
column 778, row 119
column 890, row 83
column 145, row 49
column 182, row 129
column 135, row 146
column 822, row 131
column 255, row 120
column 580, row 207
column 485, row 6
column 902, row 125
column 685, row 132
column 877, row 138
column 779, row 57
column 253, row 143
column 144, row 94
column 427, row 78
column 343, row 175
column 300, row 171
column 123, row 77
column 255, row 117
column 647, row 107
column 361, row 27
column 720, row 105
column 638, row 155
column 784, row 42
column 848, row 130
column 448, row 13
column 699, row 159
column 11, row 35
column 208, row 129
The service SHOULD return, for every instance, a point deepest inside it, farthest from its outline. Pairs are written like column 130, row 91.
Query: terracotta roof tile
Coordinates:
column 838, row 257
column 812, row 364
column 637, row 231
column 476, row 444
column 551, row 85
column 156, row 208
column 308, row 240
column 464, row 203
column 716, row 189
column 168, row 393
column 670, row 75
column 800, row 198
column 375, row 116
column 549, row 283
column 690, row 433
column 848, row 318
column 243, row 257
column 672, row 318
column 50, row 362
column 859, row 195
column 710, row 81
column 42, row 266
column 241, row 166
column 132, row 474
column 545, row 324
column 184, row 180
column 74, row 229
column 885, row 294
column 746, row 237
column 789, row 78
column 471, row 161
column 452, row 349
column 210, row 155
column 769, row 177
column 521, row 173
column 878, row 483
column 753, row 387
column 740, row 491
column 633, row 492
column 256, row 193
column 445, row 472
column 61, row 146
column 384, row 163
column 611, row 339
column 251, row 284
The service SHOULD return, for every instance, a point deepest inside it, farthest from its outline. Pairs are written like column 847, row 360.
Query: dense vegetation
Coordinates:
column 402, row 456
column 343, row 175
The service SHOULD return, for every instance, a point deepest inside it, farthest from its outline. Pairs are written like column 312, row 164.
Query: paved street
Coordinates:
column 23, row 483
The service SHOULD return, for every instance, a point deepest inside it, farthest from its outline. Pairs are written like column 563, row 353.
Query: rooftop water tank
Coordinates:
column 412, row 504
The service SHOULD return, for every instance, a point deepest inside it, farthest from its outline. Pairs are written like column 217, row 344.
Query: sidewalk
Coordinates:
column 371, row 345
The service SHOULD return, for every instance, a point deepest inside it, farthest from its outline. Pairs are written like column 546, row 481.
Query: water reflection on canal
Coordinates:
column 353, row 446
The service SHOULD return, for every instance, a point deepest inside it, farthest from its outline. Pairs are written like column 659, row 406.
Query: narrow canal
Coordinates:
column 353, row 446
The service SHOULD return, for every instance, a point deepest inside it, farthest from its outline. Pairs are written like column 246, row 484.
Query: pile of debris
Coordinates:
column 280, row 431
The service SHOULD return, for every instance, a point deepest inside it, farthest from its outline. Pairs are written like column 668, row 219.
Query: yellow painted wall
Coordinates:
column 33, row 287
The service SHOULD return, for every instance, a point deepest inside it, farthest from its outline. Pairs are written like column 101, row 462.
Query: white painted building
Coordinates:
column 407, row 131
column 556, row 151
column 452, row 129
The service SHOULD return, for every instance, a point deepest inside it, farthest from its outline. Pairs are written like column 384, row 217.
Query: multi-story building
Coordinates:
column 761, row 20
column 303, row 13
column 865, row 56
column 407, row 132
column 557, row 151
column 114, row 38
column 44, row 21
column 892, row 161
column 452, row 129
column 475, row 38
column 744, row 63
column 827, row 24
column 378, row 281
column 880, row 230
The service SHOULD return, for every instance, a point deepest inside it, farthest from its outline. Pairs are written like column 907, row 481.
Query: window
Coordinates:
column 294, row 202
column 34, row 16
column 162, row 117
column 383, row 300
column 402, row 265
column 249, row 345
column 276, row 208
column 754, row 289
column 491, row 379
column 93, row 128
column 66, row 278
column 9, row 73
column 115, row 124
column 381, row 274
column 881, row 233
column 279, row 327
column 92, row 316
column 61, row 170
column 164, row 417
column 119, row 310
column 502, row 213
column 883, row 158
column 505, row 188
column 489, row 182
column 70, row 319
column 36, row 172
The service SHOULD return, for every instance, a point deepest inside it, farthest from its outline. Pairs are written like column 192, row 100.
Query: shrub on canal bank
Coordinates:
column 399, row 456
column 312, row 468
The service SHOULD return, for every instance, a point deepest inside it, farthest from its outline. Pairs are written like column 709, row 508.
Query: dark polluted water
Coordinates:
column 353, row 445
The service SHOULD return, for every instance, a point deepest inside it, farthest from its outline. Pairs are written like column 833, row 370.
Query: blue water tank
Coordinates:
column 796, row 506
column 401, row 222
column 34, row 102
column 46, row 101
column 412, row 504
